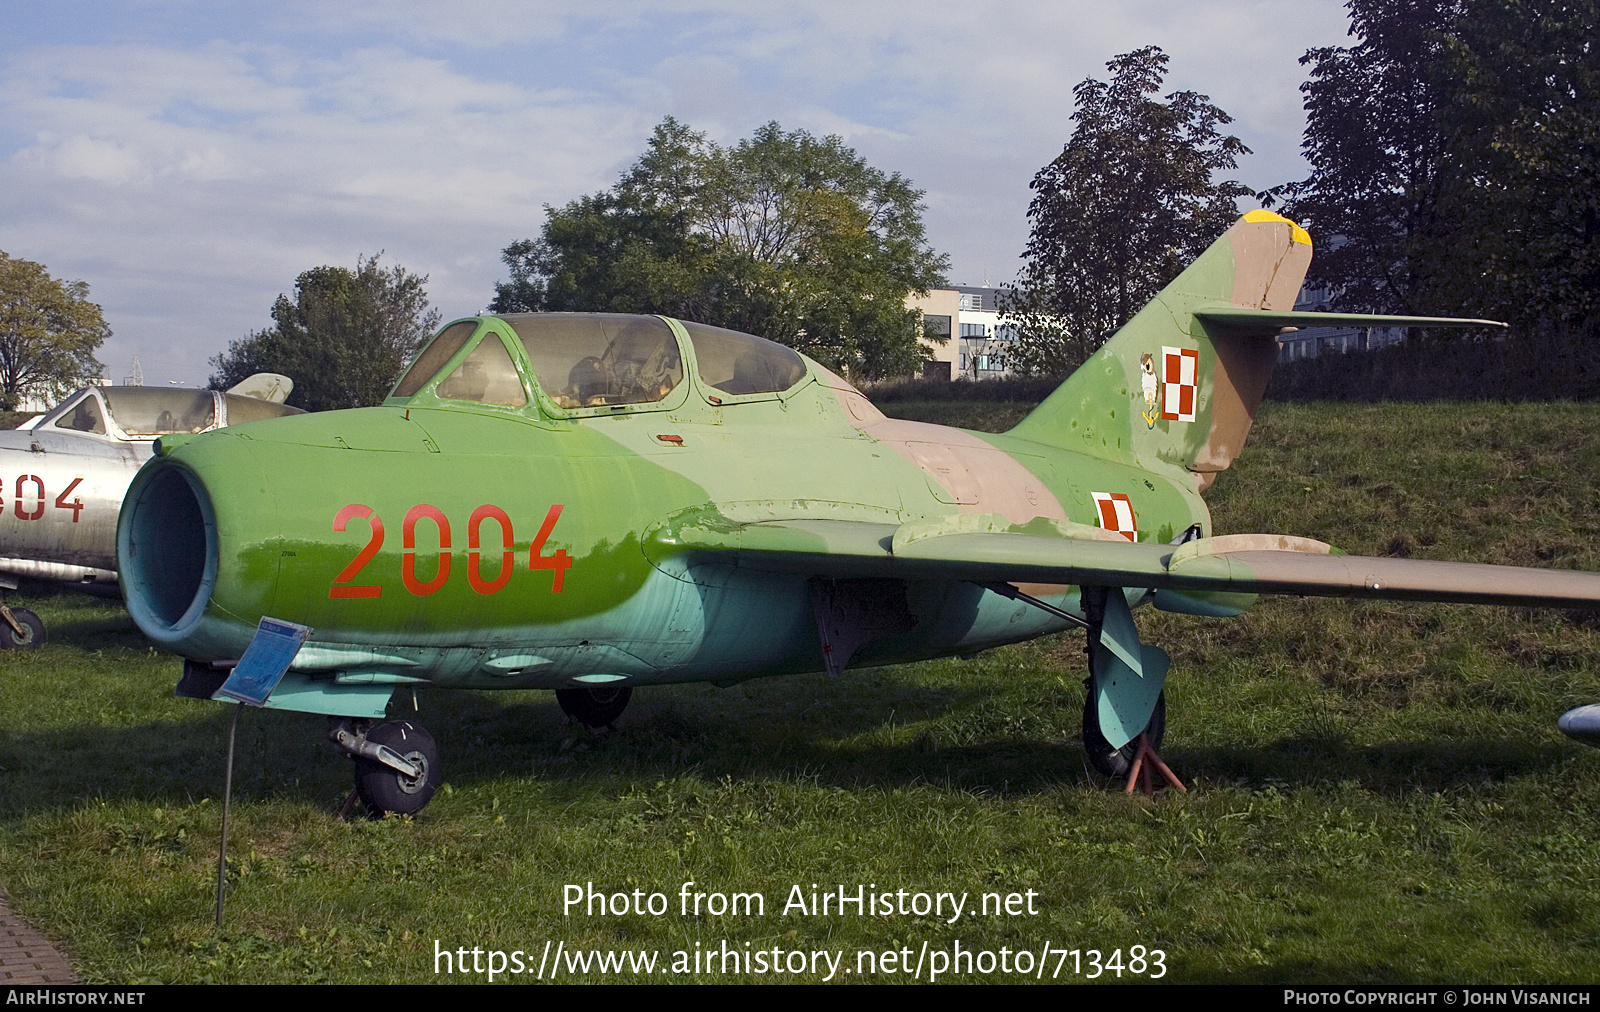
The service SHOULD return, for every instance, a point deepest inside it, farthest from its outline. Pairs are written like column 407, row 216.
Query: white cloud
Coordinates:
column 81, row 157
column 190, row 181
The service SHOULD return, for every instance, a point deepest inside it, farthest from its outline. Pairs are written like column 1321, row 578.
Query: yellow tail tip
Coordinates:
column 1296, row 233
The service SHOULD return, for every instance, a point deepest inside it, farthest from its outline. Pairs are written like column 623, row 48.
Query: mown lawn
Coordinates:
column 1378, row 791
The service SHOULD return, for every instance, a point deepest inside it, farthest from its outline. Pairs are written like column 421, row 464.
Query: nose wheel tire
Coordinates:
column 31, row 637
column 384, row 790
column 594, row 707
column 1118, row 762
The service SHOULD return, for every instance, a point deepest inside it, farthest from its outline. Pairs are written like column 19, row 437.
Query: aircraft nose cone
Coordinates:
column 1582, row 724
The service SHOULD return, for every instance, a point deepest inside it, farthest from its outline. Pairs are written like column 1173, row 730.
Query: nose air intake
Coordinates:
column 167, row 545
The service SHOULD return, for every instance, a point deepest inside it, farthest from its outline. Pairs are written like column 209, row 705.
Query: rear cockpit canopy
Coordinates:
column 736, row 363
column 587, row 363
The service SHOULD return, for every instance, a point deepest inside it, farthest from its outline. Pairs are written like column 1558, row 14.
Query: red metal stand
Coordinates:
column 1145, row 752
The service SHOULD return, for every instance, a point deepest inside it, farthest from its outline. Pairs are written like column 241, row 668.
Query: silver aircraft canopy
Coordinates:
column 140, row 414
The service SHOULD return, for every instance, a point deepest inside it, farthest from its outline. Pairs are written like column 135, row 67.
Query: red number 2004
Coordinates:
column 344, row 584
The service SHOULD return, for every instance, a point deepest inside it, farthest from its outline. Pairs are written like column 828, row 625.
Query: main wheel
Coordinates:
column 32, row 637
column 384, row 790
column 1116, row 762
column 594, row 707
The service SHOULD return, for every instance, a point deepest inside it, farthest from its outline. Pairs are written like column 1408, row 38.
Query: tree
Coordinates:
column 1521, row 211
column 49, row 331
column 1120, row 212
column 784, row 235
column 343, row 339
column 1455, row 154
column 1379, row 161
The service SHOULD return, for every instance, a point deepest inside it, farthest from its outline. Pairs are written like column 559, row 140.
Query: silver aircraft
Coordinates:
column 63, row 476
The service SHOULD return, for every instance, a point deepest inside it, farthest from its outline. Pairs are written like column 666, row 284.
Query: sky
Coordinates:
column 189, row 160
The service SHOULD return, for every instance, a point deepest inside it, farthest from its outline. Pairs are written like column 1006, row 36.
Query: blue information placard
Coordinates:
column 269, row 655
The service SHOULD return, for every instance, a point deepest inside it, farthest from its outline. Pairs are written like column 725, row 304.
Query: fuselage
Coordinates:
column 61, row 493
column 63, row 478
column 467, row 541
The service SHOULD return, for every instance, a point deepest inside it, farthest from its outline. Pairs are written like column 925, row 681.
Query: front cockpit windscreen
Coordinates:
column 152, row 411
column 441, row 350
column 83, row 416
column 595, row 360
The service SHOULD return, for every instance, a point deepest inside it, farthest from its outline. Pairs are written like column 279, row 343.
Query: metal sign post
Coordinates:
column 227, row 793
column 252, row 680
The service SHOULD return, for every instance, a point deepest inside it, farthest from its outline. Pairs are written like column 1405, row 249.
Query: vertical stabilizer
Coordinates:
column 1171, row 390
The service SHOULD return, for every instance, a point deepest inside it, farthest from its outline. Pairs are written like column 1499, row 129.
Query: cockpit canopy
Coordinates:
column 595, row 361
column 598, row 360
column 736, row 363
column 143, row 413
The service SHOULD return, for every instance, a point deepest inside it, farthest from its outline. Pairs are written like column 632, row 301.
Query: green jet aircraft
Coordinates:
column 587, row 503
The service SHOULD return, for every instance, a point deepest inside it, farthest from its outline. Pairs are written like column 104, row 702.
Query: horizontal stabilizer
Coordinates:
column 986, row 549
column 1235, row 318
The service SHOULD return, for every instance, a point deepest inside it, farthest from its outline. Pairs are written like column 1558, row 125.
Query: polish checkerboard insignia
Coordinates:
column 1180, row 383
column 1116, row 514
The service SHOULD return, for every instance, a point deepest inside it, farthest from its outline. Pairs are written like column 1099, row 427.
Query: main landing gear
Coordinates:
column 1124, row 686
column 397, row 764
column 1123, row 675
column 1138, row 757
column 1117, row 762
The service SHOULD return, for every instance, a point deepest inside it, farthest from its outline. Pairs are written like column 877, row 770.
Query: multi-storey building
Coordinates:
column 1309, row 342
column 961, row 328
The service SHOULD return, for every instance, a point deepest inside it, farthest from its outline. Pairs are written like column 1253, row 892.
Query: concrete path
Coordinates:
column 26, row 957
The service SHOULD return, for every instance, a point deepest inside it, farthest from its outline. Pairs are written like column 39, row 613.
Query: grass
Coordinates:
column 987, row 416
column 1378, row 792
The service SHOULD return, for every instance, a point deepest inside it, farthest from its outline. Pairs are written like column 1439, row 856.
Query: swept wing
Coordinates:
column 984, row 548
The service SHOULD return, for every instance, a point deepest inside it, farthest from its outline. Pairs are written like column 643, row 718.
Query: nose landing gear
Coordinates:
column 20, row 629
column 397, row 765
